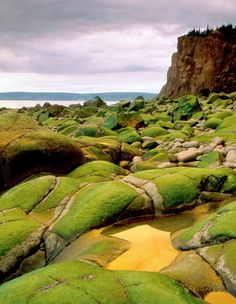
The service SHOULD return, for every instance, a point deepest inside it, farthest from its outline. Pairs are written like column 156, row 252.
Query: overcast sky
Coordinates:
column 97, row 45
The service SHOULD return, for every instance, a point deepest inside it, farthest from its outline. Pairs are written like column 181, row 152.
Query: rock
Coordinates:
column 231, row 156
column 129, row 135
column 137, row 104
column 194, row 273
column 189, row 73
column 50, row 285
column 97, row 168
column 27, row 148
column 217, row 141
column 185, row 108
column 188, row 155
column 165, row 165
column 137, row 159
column 212, row 123
column 191, row 144
column 210, row 160
column 153, row 131
column 96, row 102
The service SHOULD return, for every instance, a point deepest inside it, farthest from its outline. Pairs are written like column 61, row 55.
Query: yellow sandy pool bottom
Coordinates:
column 151, row 249
column 220, row 297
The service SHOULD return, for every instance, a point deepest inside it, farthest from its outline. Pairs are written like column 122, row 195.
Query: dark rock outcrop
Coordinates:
column 203, row 62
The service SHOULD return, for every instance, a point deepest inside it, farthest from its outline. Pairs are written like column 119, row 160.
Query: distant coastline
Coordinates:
column 61, row 96
column 17, row 104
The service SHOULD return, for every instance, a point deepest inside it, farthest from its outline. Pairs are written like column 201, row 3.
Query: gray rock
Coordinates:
column 231, row 156
column 191, row 144
column 188, row 155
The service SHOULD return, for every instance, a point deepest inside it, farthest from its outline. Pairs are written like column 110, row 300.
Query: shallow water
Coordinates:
column 151, row 249
column 220, row 297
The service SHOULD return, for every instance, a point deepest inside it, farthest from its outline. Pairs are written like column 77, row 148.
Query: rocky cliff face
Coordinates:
column 202, row 63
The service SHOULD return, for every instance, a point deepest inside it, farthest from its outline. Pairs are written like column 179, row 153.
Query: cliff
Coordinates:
column 202, row 62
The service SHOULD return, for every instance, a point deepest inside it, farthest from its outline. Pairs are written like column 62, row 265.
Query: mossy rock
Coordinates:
column 223, row 260
column 212, row 123
column 98, row 168
column 76, row 281
column 185, row 108
column 176, row 190
column 96, row 102
column 153, row 152
column 194, row 273
column 217, row 228
column 95, row 205
column 110, row 121
column 130, row 119
column 227, row 123
column 210, row 160
column 143, row 165
column 16, row 227
column 153, row 131
column 64, row 188
column 160, row 158
column 87, row 130
column 28, row 194
column 149, row 144
column 180, row 187
column 128, row 152
column 173, row 135
column 221, row 115
column 129, row 136
column 101, row 148
column 137, row 104
column 28, row 148
column 68, row 130
column 87, row 112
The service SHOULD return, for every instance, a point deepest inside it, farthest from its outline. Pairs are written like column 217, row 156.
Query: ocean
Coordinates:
column 17, row 104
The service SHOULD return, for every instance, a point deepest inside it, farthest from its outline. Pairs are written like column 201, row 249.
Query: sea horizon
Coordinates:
column 17, row 104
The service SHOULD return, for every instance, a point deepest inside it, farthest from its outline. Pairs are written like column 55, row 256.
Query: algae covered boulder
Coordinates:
column 98, row 205
column 79, row 282
column 27, row 148
column 218, row 227
column 129, row 135
column 175, row 188
column 97, row 168
column 186, row 107
column 214, row 239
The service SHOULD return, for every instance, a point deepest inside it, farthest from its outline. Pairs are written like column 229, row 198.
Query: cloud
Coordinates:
column 27, row 17
column 103, row 38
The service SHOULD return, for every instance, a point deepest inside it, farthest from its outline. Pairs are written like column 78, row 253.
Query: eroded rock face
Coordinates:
column 202, row 63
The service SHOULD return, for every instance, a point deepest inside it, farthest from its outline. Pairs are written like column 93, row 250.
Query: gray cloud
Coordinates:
column 48, row 16
column 78, row 37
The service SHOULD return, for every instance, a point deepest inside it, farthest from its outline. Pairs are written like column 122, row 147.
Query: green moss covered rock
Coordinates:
column 95, row 205
column 78, row 282
column 28, row 148
column 97, row 168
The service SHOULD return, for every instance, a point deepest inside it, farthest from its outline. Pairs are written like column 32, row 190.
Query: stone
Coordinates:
column 188, row 155
column 231, row 156
column 191, row 144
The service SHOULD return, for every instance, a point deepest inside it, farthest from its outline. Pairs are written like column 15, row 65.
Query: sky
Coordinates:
column 97, row 45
